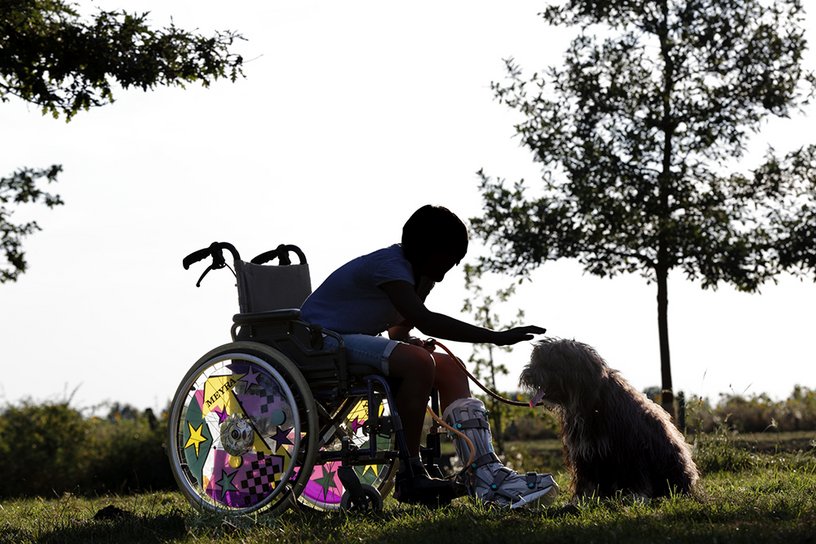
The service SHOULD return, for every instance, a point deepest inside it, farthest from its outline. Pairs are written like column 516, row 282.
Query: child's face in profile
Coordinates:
column 436, row 265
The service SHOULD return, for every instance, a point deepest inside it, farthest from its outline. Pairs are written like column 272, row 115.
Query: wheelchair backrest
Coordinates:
column 264, row 287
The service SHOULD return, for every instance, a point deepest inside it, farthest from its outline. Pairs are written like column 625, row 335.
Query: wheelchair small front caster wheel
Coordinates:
column 370, row 501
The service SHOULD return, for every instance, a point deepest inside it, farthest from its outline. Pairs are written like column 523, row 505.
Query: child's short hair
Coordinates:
column 434, row 228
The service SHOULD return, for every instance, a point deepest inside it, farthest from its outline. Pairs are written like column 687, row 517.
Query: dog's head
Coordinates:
column 566, row 373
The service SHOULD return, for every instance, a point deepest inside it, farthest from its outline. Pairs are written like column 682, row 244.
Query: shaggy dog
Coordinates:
column 616, row 441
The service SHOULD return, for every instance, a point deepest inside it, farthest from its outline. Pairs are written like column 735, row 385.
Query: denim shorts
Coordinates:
column 364, row 349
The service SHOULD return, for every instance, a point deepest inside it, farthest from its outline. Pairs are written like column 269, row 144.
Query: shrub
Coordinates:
column 49, row 449
column 520, row 422
column 526, row 424
column 127, row 454
column 799, row 412
column 43, row 449
column 754, row 413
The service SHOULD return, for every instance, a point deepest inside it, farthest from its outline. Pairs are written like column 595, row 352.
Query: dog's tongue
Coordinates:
column 537, row 398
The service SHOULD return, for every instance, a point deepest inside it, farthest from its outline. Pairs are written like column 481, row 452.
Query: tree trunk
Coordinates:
column 668, row 126
column 667, row 396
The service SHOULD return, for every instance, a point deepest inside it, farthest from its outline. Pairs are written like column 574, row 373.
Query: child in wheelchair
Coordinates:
column 384, row 292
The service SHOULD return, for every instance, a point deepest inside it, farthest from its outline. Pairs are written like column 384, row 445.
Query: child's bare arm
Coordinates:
column 411, row 307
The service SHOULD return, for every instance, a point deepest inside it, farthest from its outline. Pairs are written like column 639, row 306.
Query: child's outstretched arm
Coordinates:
column 412, row 308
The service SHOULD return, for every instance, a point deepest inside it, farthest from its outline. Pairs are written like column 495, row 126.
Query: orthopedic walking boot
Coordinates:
column 490, row 481
column 413, row 485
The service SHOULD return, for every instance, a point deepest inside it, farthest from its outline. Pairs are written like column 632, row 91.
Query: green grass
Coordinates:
column 753, row 491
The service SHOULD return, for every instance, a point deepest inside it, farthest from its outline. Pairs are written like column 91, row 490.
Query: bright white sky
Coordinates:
column 350, row 117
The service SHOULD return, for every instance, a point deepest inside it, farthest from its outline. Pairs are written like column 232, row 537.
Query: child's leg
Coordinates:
column 451, row 381
column 493, row 482
column 415, row 366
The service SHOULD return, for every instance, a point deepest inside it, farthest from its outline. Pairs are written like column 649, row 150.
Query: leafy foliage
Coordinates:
column 51, row 57
column 634, row 134
column 51, row 448
column 482, row 308
column 754, row 413
column 42, row 449
column 21, row 188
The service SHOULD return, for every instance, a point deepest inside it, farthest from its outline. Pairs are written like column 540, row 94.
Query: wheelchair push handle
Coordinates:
column 216, row 251
column 282, row 254
column 195, row 256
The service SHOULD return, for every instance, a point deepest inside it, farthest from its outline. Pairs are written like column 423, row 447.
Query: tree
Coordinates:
column 21, row 188
column 51, row 57
column 634, row 135
column 482, row 307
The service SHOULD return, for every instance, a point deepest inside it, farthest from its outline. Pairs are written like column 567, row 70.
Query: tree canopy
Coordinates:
column 52, row 57
column 21, row 188
column 637, row 134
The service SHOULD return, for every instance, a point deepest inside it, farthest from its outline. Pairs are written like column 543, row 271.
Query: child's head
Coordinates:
column 434, row 240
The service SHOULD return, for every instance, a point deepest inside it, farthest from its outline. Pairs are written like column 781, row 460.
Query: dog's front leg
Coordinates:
column 586, row 478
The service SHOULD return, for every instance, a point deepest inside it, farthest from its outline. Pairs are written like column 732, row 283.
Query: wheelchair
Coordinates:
column 278, row 418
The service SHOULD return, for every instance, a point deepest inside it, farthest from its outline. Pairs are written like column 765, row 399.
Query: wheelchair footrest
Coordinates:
column 350, row 480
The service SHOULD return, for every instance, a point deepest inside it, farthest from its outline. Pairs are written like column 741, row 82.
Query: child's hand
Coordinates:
column 429, row 344
column 518, row 334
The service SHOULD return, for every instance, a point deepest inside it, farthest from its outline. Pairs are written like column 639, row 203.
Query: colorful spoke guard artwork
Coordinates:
column 324, row 489
column 239, row 434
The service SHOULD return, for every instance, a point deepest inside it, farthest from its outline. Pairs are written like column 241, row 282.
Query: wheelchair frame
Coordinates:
column 311, row 385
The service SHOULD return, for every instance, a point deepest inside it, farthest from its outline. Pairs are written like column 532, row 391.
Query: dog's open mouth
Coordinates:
column 537, row 398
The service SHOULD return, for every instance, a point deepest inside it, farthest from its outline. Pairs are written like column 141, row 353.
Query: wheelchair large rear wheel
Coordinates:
column 241, row 431
column 324, row 490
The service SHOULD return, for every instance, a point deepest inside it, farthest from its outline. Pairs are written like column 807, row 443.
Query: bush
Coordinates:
column 752, row 414
column 126, row 454
column 755, row 413
column 527, row 424
column 519, row 422
column 50, row 449
column 42, row 447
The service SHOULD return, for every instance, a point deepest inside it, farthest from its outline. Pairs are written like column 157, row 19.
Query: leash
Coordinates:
column 487, row 390
column 483, row 387
column 460, row 434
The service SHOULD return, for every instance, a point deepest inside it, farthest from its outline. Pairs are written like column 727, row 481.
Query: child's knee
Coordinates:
column 413, row 363
column 448, row 368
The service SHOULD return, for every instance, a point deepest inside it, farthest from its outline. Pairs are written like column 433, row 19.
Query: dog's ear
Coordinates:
column 590, row 375
column 591, row 395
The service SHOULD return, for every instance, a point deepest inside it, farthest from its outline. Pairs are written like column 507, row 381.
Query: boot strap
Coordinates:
column 500, row 476
column 532, row 480
column 487, row 458
column 475, row 423
column 498, row 479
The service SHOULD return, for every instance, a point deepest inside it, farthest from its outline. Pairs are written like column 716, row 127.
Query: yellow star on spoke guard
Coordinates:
column 196, row 437
column 373, row 468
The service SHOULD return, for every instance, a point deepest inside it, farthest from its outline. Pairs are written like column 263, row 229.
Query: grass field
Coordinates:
column 757, row 489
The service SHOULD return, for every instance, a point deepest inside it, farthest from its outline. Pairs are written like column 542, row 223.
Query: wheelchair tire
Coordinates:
column 370, row 503
column 241, row 434
column 324, row 490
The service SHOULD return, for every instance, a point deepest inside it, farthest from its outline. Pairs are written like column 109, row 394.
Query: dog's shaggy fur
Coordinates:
column 616, row 441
